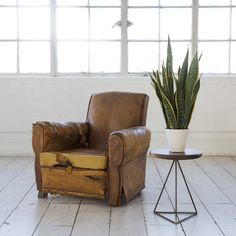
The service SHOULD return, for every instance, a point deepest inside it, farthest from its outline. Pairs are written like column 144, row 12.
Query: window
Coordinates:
column 24, row 36
column 147, row 37
column 87, row 41
column 60, row 37
column 216, row 36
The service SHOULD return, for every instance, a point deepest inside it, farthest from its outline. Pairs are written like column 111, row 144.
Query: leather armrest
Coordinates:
column 125, row 145
column 52, row 136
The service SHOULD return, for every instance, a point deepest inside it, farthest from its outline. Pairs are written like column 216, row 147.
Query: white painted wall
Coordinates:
column 27, row 100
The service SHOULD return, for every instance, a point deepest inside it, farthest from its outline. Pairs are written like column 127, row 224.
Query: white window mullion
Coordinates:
column 17, row 39
column 124, row 38
column 230, row 35
column 159, row 35
column 195, row 4
column 89, row 37
column 53, row 43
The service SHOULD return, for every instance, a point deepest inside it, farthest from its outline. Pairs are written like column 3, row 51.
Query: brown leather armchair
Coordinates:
column 103, row 157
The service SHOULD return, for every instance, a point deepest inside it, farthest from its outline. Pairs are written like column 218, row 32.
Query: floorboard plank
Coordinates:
column 202, row 224
column 63, row 199
column 128, row 219
column 211, row 181
column 11, row 170
column 153, row 180
column 92, row 219
column 15, row 191
column 5, row 161
column 159, row 226
column 225, row 216
column 58, row 220
column 25, row 218
column 199, row 180
column 206, row 189
column 225, row 182
column 228, row 163
column 213, row 198
column 153, row 183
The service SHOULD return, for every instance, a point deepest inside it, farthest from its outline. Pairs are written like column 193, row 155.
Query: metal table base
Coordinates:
column 175, row 212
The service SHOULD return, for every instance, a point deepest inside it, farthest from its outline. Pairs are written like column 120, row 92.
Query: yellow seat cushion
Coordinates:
column 80, row 158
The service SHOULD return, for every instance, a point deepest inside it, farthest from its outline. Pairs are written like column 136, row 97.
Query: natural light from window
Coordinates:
column 63, row 37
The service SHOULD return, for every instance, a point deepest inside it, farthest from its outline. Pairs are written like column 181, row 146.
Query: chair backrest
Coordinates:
column 112, row 111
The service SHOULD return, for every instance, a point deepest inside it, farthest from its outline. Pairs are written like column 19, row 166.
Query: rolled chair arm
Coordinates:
column 125, row 145
column 52, row 136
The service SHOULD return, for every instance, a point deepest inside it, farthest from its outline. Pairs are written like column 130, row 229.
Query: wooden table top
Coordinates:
column 164, row 153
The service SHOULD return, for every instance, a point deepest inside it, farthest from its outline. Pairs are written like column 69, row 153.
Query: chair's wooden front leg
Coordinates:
column 42, row 194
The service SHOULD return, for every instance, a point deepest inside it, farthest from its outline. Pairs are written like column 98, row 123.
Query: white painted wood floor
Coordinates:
column 212, row 181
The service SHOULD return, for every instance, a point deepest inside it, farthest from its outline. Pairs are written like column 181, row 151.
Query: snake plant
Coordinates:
column 177, row 93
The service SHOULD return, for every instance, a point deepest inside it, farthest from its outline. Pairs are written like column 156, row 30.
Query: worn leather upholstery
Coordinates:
column 56, row 136
column 134, row 141
column 115, row 123
column 83, row 158
column 52, row 136
column 127, row 149
column 114, row 111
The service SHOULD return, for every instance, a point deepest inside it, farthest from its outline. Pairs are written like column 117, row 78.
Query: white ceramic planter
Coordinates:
column 176, row 139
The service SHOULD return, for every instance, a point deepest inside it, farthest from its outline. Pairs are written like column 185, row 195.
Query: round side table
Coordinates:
column 164, row 153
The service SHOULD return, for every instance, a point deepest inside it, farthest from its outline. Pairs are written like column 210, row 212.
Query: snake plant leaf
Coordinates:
column 174, row 104
column 166, row 107
column 179, row 69
column 189, row 111
column 189, row 88
column 180, row 88
column 169, row 71
column 195, row 90
column 165, row 82
column 169, row 59
column 199, row 58
column 180, row 103
column 184, row 70
column 176, row 99
column 177, row 93
column 170, row 114
column 191, row 80
column 154, row 84
column 169, row 111
column 155, row 80
column 193, row 101
column 155, row 74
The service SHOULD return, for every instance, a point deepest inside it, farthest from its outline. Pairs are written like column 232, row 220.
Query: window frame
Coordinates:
column 17, row 40
column 123, row 43
column 229, row 40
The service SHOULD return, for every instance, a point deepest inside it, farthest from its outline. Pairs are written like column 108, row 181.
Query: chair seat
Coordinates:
column 84, row 158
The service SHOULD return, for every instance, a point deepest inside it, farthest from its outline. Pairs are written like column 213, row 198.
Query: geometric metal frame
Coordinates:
column 175, row 212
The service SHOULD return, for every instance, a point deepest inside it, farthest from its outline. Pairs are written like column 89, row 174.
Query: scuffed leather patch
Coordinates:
column 62, row 160
column 135, row 141
column 59, row 136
